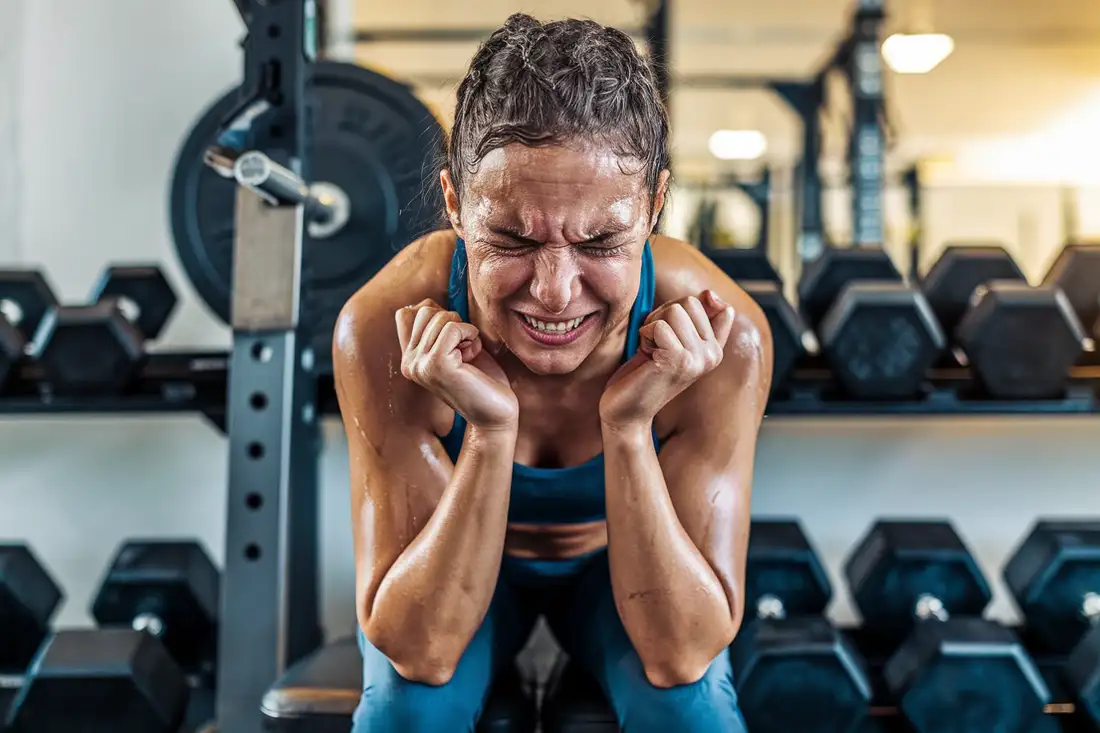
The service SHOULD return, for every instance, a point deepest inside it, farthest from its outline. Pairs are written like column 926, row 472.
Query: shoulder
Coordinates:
column 420, row 270
column 365, row 347
column 682, row 270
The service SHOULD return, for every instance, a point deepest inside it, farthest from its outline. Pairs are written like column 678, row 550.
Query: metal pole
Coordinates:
column 806, row 99
column 867, row 148
column 270, row 614
column 657, row 40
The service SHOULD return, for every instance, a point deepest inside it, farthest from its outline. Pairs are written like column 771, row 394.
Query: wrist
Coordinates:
column 634, row 430
column 502, row 436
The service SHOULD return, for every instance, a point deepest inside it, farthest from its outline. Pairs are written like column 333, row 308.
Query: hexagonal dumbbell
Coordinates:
column 95, row 681
column 881, row 339
column 169, row 589
column 916, row 583
column 1021, row 340
column 29, row 597
column 786, row 650
column 25, row 298
column 1054, row 576
column 1076, row 271
column 789, row 332
column 144, row 294
column 744, row 263
column 12, row 348
column 88, row 349
column 950, row 283
column 878, row 334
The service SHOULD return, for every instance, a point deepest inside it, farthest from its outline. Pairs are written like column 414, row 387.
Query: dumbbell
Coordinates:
column 1054, row 576
column 918, row 586
column 1076, row 271
column 878, row 334
column 786, row 650
column 97, row 348
column 25, row 298
column 169, row 589
column 1021, row 340
column 29, row 597
column 156, row 608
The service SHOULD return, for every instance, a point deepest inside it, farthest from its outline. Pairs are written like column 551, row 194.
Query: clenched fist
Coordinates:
column 679, row 343
column 444, row 355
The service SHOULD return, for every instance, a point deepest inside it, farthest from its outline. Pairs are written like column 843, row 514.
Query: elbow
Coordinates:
column 415, row 662
column 688, row 666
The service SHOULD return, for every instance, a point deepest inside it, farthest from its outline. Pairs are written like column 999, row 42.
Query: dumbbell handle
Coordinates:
column 770, row 607
column 929, row 607
column 150, row 622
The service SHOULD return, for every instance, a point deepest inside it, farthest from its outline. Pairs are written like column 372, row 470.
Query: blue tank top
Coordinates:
column 570, row 495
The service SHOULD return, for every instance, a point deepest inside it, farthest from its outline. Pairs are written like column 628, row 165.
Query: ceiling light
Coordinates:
column 738, row 144
column 916, row 53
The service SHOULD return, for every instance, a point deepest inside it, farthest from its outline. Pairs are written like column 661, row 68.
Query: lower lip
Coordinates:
column 556, row 339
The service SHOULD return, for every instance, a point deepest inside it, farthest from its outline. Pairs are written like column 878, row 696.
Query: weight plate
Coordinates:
column 371, row 137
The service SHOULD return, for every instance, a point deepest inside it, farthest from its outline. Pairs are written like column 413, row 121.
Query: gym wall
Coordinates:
column 105, row 92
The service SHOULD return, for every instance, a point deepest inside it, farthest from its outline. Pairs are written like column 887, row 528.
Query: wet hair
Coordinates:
column 553, row 83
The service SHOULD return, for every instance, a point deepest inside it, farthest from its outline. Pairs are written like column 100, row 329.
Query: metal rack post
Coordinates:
column 867, row 148
column 269, row 597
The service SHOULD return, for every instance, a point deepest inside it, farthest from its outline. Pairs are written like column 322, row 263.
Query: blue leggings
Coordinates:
column 575, row 596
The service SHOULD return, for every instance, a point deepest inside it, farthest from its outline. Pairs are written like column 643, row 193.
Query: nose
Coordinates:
column 557, row 278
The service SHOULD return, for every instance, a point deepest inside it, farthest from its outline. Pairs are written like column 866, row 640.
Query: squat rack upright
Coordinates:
column 270, row 608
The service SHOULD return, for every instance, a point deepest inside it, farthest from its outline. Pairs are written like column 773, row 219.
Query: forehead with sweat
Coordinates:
column 556, row 194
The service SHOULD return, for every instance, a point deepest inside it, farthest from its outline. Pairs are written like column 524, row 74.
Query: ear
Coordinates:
column 659, row 197
column 451, row 200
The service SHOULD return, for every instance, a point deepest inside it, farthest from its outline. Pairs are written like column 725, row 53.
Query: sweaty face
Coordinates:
column 554, row 238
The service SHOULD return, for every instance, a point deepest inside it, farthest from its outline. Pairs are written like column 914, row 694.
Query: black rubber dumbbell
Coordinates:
column 1076, row 272
column 878, row 333
column 1021, row 340
column 97, row 348
column 25, row 298
column 169, row 589
column 919, row 588
column 156, row 608
column 786, row 649
column 1054, row 576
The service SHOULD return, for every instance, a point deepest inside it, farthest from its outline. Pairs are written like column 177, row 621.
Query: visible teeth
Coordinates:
column 560, row 327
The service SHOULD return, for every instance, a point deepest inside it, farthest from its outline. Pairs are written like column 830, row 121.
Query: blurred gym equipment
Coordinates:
column 786, row 649
column 952, row 671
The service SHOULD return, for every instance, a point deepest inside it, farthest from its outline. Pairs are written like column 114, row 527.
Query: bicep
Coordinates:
column 708, row 461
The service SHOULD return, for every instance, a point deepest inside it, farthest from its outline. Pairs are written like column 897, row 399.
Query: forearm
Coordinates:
column 436, row 594
column 672, row 604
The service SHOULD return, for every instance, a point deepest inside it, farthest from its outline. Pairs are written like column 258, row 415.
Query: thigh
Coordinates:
column 391, row 703
column 588, row 626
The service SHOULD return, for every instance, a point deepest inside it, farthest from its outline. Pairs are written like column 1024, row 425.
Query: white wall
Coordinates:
column 106, row 91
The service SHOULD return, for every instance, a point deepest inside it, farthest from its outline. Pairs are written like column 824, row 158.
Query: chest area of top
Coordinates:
column 558, row 429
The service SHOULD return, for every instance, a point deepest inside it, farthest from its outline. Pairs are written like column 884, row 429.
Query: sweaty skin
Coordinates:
column 553, row 233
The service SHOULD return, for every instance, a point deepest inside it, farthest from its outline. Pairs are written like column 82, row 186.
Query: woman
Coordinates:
column 563, row 420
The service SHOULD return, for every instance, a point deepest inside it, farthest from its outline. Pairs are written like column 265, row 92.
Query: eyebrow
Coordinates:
column 604, row 232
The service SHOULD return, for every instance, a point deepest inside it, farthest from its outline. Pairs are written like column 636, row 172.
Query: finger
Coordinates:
column 424, row 315
column 405, row 317
column 454, row 335
column 684, row 327
column 657, row 314
column 699, row 317
column 723, row 325
column 664, row 337
column 434, row 327
column 713, row 303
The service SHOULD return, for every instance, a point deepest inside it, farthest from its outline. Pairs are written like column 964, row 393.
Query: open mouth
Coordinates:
column 555, row 332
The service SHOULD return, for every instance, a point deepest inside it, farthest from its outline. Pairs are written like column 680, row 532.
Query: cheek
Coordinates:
column 613, row 285
column 499, row 279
